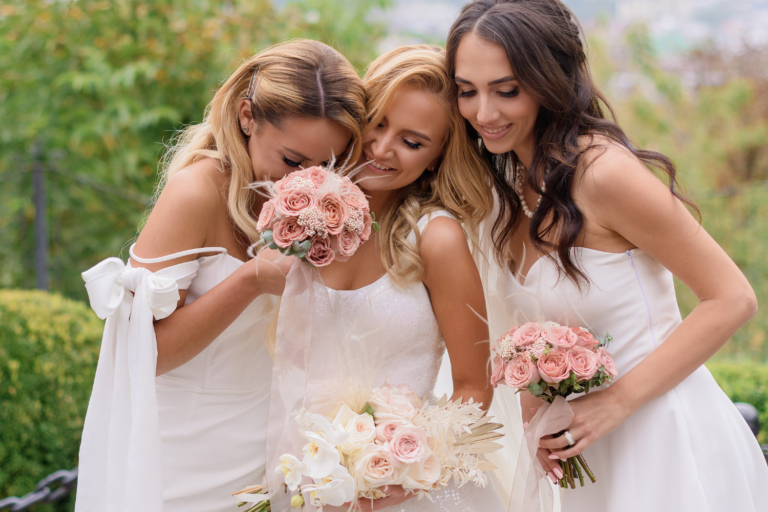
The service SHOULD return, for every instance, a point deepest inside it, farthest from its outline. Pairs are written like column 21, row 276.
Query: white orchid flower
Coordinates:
column 327, row 431
column 293, row 469
column 320, row 456
column 334, row 490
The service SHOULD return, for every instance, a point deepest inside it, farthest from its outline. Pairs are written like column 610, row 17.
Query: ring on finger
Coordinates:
column 569, row 437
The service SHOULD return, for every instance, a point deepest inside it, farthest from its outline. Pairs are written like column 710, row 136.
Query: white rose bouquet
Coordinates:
column 397, row 439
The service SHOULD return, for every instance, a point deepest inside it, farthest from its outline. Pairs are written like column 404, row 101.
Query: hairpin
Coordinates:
column 253, row 85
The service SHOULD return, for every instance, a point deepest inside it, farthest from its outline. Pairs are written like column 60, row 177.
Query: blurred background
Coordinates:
column 91, row 90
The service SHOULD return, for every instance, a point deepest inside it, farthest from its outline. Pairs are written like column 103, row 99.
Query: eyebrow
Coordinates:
column 418, row 134
column 509, row 78
column 296, row 153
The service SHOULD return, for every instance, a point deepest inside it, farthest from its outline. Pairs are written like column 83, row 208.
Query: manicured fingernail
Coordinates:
column 558, row 472
column 554, row 457
column 552, row 477
column 525, row 425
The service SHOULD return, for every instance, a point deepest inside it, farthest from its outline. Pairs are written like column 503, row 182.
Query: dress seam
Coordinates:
column 645, row 299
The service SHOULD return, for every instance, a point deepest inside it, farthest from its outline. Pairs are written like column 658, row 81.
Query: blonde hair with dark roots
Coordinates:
column 459, row 185
column 300, row 78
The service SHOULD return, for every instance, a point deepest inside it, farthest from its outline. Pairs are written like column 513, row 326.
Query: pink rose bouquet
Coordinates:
column 396, row 438
column 550, row 360
column 315, row 215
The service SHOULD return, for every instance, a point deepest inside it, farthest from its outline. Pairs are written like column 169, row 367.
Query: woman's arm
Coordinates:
column 185, row 217
column 457, row 298
column 621, row 196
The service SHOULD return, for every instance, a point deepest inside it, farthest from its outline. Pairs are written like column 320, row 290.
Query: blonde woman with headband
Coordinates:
column 414, row 287
column 177, row 418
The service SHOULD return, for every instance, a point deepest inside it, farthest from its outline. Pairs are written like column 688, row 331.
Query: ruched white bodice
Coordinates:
column 688, row 450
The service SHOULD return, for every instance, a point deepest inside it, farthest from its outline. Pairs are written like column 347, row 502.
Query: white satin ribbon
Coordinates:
column 120, row 453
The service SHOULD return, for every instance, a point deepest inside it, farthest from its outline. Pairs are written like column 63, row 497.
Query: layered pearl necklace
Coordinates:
column 518, row 187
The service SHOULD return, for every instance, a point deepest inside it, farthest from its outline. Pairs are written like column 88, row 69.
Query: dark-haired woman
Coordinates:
column 586, row 235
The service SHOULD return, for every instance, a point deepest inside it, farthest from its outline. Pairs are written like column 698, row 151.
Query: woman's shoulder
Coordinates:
column 441, row 233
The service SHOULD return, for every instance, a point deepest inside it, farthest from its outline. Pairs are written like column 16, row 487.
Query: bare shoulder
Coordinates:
column 185, row 214
column 609, row 169
column 443, row 240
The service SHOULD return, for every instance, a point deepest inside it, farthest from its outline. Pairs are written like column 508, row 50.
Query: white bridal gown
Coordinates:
column 410, row 347
column 184, row 441
column 688, row 450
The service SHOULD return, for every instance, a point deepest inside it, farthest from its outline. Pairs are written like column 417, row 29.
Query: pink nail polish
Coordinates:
column 552, row 477
column 558, row 472
column 554, row 457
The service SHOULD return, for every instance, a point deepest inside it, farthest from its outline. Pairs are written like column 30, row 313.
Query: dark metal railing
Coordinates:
column 51, row 488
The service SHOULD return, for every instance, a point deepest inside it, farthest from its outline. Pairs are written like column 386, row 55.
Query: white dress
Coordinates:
column 195, row 434
column 408, row 342
column 688, row 450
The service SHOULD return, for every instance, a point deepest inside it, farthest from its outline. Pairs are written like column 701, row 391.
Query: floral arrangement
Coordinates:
column 317, row 215
column 398, row 439
column 550, row 360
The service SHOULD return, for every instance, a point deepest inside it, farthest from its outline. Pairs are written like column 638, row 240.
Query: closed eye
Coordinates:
column 510, row 94
column 466, row 94
column 290, row 162
column 412, row 145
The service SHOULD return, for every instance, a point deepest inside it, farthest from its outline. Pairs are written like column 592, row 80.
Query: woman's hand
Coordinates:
column 269, row 269
column 395, row 495
column 529, row 405
column 596, row 415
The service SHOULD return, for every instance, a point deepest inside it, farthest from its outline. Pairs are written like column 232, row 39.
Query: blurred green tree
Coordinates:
column 100, row 85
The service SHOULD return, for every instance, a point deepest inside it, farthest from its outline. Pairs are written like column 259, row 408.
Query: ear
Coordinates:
column 245, row 117
column 434, row 164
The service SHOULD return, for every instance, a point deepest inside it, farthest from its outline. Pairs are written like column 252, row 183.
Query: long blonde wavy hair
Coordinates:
column 459, row 185
column 300, row 78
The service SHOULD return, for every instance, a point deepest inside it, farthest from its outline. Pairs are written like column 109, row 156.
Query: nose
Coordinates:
column 487, row 113
column 381, row 147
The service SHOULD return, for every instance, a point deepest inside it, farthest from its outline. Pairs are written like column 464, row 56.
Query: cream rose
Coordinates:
column 583, row 362
column 553, row 367
column 521, row 371
column 424, row 474
column 391, row 403
column 374, row 466
column 362, row 433
column 408, row 444
column 526, row 335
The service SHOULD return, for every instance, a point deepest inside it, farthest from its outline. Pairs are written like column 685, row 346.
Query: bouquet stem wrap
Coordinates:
column 531, row 486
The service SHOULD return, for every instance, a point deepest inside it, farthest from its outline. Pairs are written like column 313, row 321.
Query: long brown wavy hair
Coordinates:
column 544, row 44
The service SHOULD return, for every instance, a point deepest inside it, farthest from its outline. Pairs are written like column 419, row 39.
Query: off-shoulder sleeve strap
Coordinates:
column 182, row 273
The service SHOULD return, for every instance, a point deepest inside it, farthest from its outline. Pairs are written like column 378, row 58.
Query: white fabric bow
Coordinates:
column 120, row 460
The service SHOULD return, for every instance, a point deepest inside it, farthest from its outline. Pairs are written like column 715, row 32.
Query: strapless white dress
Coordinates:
column 688, row 450
column 207, row 426
column 410, row 347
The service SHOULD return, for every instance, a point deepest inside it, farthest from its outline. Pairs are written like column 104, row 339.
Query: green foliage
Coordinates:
column 745, row 382
column 49, row 347
column 101, row 85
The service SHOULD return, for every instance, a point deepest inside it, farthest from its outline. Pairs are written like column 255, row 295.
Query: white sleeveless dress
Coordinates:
column 186, row 440
column 688, row 450
column 411, row 350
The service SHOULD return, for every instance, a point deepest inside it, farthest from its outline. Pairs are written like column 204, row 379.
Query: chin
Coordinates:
column 498, row 147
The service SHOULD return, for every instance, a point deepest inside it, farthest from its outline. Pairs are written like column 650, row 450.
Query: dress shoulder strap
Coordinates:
column 424, row 220
column 161, row 259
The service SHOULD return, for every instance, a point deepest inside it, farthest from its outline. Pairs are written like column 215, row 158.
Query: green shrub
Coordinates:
column 745, row 382
column 49, row 347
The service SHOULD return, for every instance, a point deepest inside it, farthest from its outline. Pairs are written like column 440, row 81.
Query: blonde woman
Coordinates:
column 185, row 440
column 414, row 287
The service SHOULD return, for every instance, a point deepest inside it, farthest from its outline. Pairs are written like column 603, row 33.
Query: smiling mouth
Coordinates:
column 376, row 165
column 494, row 133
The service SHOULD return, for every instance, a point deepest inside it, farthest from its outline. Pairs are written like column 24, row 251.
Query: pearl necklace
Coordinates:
column 518, row 187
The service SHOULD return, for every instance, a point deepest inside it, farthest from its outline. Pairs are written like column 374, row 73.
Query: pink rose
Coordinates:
column 266, row 215
column 585, row 338
column 316, row 174
column 606, row 359
column 560, row 337
column 553, row 367
column 386, row 429
column 280, row 184
column 367, row 227
column 335, row 211
column 320, row 253
column 354, row 197
column 286, row 231
column 292, row 201
column 408, row 393
column 521, row 371
column 374, row 467
column 498, row 371
column 584, row 363
column 345, row 244
column 505, row 338
column 408, row 444
column 390, row 403
column 527, row 335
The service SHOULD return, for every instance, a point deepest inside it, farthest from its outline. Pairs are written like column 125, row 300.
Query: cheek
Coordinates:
column 468, row 109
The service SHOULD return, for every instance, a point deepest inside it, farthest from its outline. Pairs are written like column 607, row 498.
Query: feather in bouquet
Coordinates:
column 397, row 439
column 550, row 360
column 315, row 214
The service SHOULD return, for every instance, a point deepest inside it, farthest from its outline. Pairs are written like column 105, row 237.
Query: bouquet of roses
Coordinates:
column 397, row 439
column 550, row 360
column 316, row 215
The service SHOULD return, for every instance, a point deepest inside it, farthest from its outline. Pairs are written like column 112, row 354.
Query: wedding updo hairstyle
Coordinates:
column 300, row 78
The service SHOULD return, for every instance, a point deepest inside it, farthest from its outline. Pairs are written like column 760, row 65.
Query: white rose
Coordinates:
column 424, row 474
column 362, row 433
column 390, row 403
column 375, row 467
